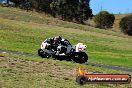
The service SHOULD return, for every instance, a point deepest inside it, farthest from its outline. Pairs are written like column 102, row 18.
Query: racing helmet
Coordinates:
column 57, row 39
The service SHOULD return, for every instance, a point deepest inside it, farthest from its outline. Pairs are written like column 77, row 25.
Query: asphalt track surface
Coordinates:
column 91, row 64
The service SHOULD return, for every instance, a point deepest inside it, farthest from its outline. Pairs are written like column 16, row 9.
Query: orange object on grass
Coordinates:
column 82, row 71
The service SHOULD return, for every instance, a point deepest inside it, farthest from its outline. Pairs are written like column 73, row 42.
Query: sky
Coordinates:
column 112, row 6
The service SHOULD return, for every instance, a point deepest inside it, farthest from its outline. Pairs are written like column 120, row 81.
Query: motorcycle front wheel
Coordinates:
column 79, row 57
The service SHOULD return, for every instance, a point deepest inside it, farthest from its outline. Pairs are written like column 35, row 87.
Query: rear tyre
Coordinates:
column 80, row 57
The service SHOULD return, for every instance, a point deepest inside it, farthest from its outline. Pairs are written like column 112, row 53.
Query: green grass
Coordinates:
column 17, row 71
column 104, row 47
column 24, row 31
column 21, row 15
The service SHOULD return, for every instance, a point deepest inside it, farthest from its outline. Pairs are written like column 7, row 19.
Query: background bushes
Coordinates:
column 104, row 20
column 126, row 25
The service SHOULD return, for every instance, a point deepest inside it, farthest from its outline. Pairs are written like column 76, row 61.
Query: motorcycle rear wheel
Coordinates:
column 42, row 53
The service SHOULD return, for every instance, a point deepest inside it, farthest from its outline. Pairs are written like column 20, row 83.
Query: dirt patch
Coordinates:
column 21, row 66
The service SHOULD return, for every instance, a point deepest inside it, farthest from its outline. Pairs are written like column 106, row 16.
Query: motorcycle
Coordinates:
column 64, row 50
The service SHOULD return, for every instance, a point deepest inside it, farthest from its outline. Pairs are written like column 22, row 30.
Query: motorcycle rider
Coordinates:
column 58, row 44
column 54, row 42
column 57, row 40
column 64, row 50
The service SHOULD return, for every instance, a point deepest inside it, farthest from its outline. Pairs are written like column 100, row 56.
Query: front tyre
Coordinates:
column 80, row 57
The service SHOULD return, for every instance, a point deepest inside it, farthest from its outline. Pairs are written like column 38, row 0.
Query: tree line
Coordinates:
column 70, row 10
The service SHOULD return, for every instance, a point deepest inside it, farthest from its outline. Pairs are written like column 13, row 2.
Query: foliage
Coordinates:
column 17, row 2
column 126, row 25
column 104, row 19
column 41, row 5
column 71, row 10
